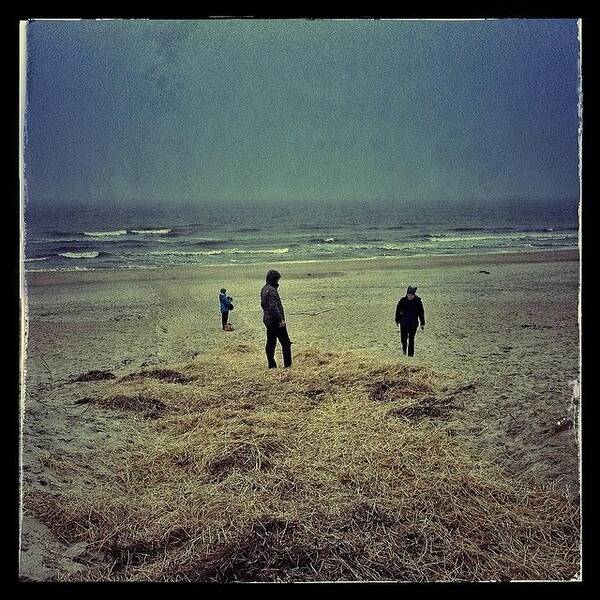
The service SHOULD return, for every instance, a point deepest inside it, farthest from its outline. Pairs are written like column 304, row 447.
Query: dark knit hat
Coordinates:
column 273, row 276
column 411, row 289
column 223, row 290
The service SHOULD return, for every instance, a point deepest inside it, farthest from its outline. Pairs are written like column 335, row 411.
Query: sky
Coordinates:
column 155, row 113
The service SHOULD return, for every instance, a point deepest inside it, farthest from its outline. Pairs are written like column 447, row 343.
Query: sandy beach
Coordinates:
column 507, row 322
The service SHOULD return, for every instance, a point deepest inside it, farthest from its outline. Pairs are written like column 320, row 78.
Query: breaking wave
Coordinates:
column 151, row 231
column 105, row 233
column 83, row 254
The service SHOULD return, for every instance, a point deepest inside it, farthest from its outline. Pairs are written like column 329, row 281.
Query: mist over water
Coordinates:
column 184, row 112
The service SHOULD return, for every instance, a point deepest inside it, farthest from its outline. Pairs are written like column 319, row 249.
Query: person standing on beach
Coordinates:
column 409, row 312
column 225, row 305
column 274, row 321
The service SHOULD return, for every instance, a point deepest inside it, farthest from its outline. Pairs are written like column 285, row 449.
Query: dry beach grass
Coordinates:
column 342, row 468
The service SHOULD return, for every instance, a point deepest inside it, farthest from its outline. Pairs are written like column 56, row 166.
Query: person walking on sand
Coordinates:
column 409, row 312
column 225, row 305
column 274, row 321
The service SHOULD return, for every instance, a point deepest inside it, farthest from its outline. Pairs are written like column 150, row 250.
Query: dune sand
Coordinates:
column 507, row 322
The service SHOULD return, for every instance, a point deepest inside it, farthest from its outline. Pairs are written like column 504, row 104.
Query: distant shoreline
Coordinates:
column 421, row 261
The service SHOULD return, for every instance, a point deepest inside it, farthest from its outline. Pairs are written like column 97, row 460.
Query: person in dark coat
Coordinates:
column 409, row 312
column 274, row 321
column 225, row 305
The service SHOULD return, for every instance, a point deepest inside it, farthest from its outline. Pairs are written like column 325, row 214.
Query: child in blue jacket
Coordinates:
column 225, row 305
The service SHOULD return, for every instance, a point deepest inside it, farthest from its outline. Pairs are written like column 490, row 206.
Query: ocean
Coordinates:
column 76, row 238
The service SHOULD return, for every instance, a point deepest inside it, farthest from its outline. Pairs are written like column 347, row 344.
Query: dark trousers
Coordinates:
column 281, row 334
column 407, row 334
column 224, row 318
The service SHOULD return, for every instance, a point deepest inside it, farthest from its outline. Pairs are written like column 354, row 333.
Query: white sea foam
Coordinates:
column 380, row 246
column 151, row 231
column 37, row 259
column 105, row 233
column 184, row 252
column 331, row 247
column 61, row 270
column 166, row 253
column 549, row 234
column 270, row 251
column 80, row 254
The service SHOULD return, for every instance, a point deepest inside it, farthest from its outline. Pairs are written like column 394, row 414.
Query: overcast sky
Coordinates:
column 182, row 112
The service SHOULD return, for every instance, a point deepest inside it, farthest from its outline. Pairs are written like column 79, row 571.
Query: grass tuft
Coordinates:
column 337, row 469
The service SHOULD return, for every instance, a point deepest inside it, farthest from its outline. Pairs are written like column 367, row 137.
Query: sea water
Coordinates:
column 222, row 233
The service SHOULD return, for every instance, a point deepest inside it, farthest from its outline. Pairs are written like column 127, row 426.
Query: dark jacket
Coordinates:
column 410, row 312
column 225, row 302
column 270, row 302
